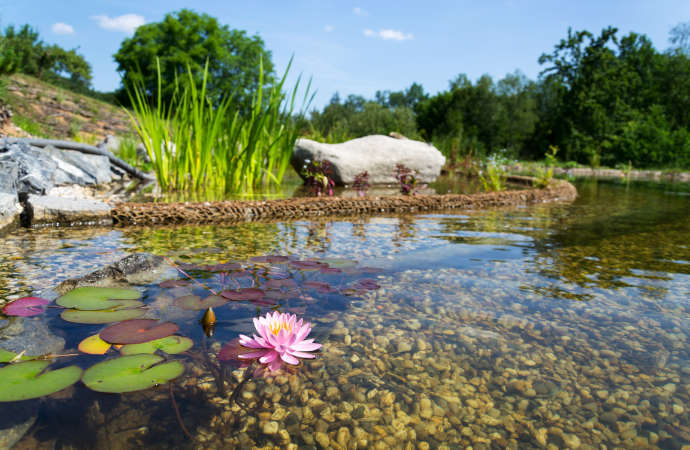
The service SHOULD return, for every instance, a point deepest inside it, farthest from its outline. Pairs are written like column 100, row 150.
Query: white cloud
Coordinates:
column 62, row 28
column 360, row 12
column 328, row 28
column 126, row 23
column 395, row 35
column 388, row 34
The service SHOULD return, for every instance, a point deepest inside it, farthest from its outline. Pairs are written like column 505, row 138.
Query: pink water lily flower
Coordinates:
column 281, row 339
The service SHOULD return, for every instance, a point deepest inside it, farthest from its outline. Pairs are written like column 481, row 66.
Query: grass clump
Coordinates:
column 196, row 145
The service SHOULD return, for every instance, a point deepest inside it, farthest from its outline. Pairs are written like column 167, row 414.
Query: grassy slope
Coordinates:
column 44, row 110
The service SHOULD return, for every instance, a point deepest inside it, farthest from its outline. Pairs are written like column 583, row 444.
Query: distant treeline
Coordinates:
column 603, row 99
column 600, row 100
column 21, row 50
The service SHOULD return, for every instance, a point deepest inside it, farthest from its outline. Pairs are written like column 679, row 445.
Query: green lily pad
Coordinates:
column 24, row 381
column 7, row 356
column 97, row 298
column 170, row 345
column 102, row 316
column 131, row 373
column 138, row 331
column 194, row 302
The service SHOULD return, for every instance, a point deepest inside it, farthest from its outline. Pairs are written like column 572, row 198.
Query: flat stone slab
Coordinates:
column 378, row 155
column 49, row 210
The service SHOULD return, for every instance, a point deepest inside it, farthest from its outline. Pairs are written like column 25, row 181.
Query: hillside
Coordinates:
column 42, row 110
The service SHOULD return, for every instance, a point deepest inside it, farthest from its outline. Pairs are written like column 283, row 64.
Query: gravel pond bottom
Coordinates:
column 552, row 326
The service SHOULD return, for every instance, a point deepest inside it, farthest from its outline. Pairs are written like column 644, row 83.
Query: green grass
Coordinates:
column 30, row 126
column 195, row 145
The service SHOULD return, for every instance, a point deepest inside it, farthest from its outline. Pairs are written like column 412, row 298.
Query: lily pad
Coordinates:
column 26, row 307
column 280, row 283
column 7, row 356
column 170, row 345
column 274, row 259
column 320, row 286
column 243, row 294
column 131, row 373
column 137, row 331
column 94, row 345
column 97, row 298
column 339, row 263
column 102, row 316
column 194, row 302
column 231, row 351
column 24, row 380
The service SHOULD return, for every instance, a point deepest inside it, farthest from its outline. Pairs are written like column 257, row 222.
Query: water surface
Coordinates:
column 562, row 325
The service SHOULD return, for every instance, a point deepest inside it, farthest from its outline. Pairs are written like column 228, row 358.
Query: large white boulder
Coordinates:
column 377, row 155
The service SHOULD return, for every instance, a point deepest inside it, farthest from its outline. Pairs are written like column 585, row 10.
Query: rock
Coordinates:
column 322, row 439
column 140, row 268
column 31, row 336
column 42, row 210
column 111, row 144
column 270, row 427
column 571, row 440
column 9, row 209
column 377, row 155
column 16, row 421
column 39, row 169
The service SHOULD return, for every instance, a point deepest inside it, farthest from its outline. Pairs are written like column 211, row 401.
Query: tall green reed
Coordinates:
column 198, row 146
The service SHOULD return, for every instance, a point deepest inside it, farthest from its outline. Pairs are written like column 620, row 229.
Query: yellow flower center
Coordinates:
column 277, row 326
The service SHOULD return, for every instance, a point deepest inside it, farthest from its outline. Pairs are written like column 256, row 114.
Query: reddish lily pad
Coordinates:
column 280, row 283
column 243, row 294
column 26, row 307
column 137, row 331
column 222, row 267
column 366, row 284
column 281, row 295
column 320, row 286
column 231, row 351
column 194, row 302
column 98, row 298
column 131, row 373
column 27, row 380
column 273, row 259
column 171, row 345
column 308, row 265
column 101, row 316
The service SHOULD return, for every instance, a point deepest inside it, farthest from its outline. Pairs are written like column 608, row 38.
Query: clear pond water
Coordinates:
column 561, row 325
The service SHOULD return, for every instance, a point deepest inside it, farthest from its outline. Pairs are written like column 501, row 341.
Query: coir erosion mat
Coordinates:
column 125, row 214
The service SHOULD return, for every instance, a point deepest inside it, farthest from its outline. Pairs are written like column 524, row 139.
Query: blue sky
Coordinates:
column 363, row 46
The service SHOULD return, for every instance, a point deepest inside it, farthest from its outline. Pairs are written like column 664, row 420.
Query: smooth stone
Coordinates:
column 322, row 439
column 377, row 155
column 270, row 427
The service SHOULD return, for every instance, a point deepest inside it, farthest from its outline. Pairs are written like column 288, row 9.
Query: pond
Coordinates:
column 561, row 325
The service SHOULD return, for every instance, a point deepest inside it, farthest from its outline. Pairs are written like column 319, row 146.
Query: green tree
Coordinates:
column 680, row 37
column 22, row 51
column 188, row 39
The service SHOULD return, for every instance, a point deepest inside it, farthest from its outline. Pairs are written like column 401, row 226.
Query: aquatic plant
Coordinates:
column 495, row 179
column 550, row 156
column 406, row 179
column 361, row 183
column 198, row 145
column 319, row 176
column 543, row 177
column 282, row 338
